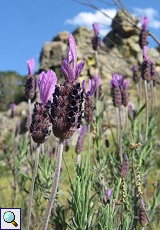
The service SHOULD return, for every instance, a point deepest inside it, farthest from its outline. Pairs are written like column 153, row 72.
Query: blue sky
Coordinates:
column 27, row 24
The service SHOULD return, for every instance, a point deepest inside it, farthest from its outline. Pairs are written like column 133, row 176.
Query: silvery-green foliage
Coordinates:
column 82, row 202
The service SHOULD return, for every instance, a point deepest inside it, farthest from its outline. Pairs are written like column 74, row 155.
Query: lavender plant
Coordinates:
column 66, row 112
column 40, row 123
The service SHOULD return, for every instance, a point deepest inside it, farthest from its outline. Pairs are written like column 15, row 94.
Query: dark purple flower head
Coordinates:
column 146, row 69
column 40, row 127
column 96, row 41
column 66, row 109
column 142, row 216
column 144, row 33
column 96, row 28
column 116, row 83
column 80, row 141
column 40, row 119
column 70, row 69
column 31, row 65
column 145, row 21
column 135, row 76
column 46, row 84
column 154, row 76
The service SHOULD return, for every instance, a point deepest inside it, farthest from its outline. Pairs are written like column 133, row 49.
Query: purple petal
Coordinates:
column 69, row 57
column 117, row 78
column 89, row 85
column 79, row 69
column 120, row 79
column 145, row 22
column 96, row 28
column 98, row 81
column 84, row 86
column 93, row 86
column 125, row 83
column 67, row 71
column 46, row 84
column 114, row 83
column 72, row 48
column 31, row 65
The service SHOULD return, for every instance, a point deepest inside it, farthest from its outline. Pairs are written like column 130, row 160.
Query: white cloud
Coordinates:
column 88, row 18
column 151, row 13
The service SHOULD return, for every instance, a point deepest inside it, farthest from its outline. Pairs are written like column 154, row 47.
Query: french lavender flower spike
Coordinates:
column 46, row 84
column 67, row 71
column 96, row 28
column 72, row 48
column 31, row 66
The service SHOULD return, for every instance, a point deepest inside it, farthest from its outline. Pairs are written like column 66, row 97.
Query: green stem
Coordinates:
column 30, row 121
column 89, row 138
column 98, row 73
column 117, row 117
column 54, row 184
column 30, row 112
column 147, row 111
column 32, row 186
column 120, row 134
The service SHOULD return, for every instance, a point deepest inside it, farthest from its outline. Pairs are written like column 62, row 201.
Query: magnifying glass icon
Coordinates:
column 9, row 217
